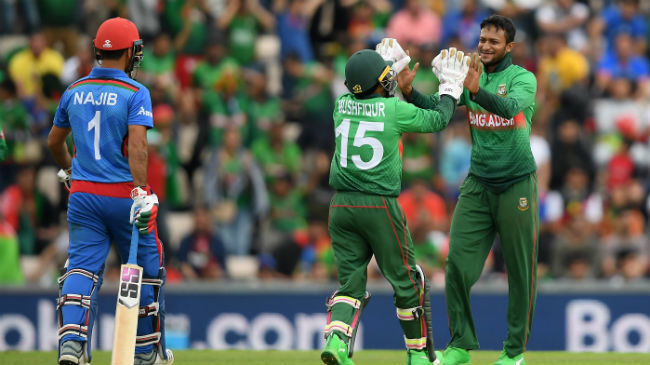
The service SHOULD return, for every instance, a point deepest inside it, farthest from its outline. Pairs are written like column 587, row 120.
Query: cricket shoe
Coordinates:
column 417, row 357
column 452, row 356
column 72, row 353
column 153, row 358
column 505, row 360
column 335, row 351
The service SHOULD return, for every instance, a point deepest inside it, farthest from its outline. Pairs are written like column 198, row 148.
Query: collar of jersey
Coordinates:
column 371, row 96
column 107, row 72
column 505, row 62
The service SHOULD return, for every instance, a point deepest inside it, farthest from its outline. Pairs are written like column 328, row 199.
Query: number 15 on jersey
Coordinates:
column 360, row 139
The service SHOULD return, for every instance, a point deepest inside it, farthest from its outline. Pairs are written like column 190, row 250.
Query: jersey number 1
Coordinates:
column 343, row 130
column 94, row 123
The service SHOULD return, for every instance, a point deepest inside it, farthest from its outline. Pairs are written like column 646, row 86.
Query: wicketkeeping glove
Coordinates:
column 144, row 210
column 453, row 69
column 435, row 64
column 65, row 176
column 390, row 50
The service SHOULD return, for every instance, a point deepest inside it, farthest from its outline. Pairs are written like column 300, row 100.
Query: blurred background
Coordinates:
column 243, row 93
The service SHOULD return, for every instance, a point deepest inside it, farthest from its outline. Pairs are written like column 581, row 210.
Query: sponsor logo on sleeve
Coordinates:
column 146, row 113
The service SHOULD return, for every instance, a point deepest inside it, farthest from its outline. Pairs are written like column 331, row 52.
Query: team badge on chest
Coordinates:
column 501, row 90
column 523, row 204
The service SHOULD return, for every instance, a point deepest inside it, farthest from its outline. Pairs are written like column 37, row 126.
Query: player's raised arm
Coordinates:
column 453, row 67
column 519, row 96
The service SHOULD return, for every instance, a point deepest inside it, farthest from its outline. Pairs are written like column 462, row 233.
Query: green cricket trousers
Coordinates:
column 361, row 225
column 479, row 215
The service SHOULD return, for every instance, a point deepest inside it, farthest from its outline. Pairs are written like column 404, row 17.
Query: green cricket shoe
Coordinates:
column 505, row 360
column 417, row 357
column 452, row 356
column 335, row 351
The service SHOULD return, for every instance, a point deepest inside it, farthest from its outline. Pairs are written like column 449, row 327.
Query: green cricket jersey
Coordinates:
column 367, row 131
column 499, row 117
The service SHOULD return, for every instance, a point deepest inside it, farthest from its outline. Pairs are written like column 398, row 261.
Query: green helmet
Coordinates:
column 365, row 69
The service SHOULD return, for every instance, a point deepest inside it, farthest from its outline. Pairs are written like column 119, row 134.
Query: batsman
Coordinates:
column 499, row 194
column 108, row 114
column 365, row 217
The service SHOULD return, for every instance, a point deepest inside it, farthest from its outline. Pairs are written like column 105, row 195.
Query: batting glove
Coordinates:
column 65, row 176
column 144, row 210
column 453, row 69
column 390, row 50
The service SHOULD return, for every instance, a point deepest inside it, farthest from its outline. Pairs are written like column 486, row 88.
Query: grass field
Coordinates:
column 367, row 357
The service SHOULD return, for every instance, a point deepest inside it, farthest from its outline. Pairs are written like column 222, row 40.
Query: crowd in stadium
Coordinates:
column 243, row 93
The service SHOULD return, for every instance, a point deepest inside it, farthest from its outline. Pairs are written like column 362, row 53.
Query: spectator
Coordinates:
column 627, row 238
column 218, row 69
column 80, row 64
column 623, row 15
column 28, row 66
column 425, row 80
column 145, row 15
column 462, row 26
column 620, row 169
column 159, row 62
column 59, row 19
column 285, row 233
column 10, row 20
column 310, row 101
column 317, row 258
column 623, row 62
column 424, row 209
column 235, row 192
column 560, row 67
column 415, row 24
column 455, row 159
column 276, row 156
column 576, row 254
column 30, row 213
column 429, row 252
column 569, row 149
column 243, row 20
column 567, row 17
column 262, row 109
column 10, row 271
column 293, row 31
column 416, row 158
column 15, row 125
column 201, row 254
column 317, row 190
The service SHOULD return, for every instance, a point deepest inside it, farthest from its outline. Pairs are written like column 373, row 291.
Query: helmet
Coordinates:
column 365, row 69
column 117, row 34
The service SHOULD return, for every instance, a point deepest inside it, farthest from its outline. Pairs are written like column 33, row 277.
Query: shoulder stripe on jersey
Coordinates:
column 113, row 82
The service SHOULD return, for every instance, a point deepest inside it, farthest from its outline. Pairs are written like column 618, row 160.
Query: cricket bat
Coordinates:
column 128, row 307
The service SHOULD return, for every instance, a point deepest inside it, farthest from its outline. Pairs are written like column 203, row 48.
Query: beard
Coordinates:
column 495, row 60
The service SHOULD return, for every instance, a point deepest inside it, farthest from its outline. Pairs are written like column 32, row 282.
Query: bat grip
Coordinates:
column 133, row 250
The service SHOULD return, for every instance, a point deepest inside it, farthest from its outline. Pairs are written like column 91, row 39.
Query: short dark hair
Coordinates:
column 111, row 55
column 501, row 22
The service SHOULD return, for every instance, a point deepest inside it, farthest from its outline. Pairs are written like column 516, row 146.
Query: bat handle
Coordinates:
column 133, row 250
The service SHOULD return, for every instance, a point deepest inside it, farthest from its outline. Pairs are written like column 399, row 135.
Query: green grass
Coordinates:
column 367, row 357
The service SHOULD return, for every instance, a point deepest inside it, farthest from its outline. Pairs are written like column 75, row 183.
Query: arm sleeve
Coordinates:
column 140, row 111
column 61, row 116
column 423, row 101
column 520, row 96
column 413, row 119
